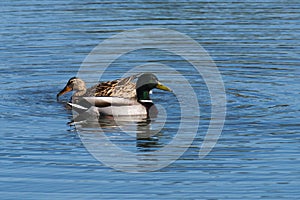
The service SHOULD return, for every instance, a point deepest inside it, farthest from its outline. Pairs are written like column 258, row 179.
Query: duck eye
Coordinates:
column 71, row 82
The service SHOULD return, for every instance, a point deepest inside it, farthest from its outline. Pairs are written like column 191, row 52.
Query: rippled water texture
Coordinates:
column 256, row 48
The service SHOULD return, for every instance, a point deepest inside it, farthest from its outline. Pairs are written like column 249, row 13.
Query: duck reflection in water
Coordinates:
column 145, row 131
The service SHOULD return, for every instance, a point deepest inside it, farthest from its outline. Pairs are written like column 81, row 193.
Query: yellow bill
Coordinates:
column 162, row 87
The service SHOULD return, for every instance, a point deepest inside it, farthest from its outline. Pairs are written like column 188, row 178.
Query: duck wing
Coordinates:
column 123, row 88
column 94, row 107
column 109, row 101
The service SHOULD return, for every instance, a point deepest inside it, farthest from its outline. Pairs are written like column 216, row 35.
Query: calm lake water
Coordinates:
column 256, row 48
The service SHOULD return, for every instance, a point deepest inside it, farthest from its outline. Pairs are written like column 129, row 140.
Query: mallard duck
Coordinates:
column 141, row 105
column 123, row 87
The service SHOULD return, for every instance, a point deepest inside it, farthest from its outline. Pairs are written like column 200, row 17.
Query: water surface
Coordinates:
column 255, row 46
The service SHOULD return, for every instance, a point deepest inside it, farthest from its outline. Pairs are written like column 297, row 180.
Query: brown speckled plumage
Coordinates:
column 124, row 88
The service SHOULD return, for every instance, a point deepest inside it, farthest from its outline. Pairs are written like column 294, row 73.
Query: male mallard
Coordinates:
column 141, row 105
column 117, row 88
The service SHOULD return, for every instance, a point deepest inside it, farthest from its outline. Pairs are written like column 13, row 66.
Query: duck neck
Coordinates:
column 80, row 92
column 142, row 95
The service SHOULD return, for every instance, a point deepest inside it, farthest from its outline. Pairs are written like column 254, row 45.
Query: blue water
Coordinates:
column 256, row 48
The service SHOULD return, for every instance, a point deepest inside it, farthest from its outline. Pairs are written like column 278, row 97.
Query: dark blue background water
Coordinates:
column 255, row 46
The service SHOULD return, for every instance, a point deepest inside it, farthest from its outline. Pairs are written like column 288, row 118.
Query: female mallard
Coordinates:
column 141, row 105
column 117, row 88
